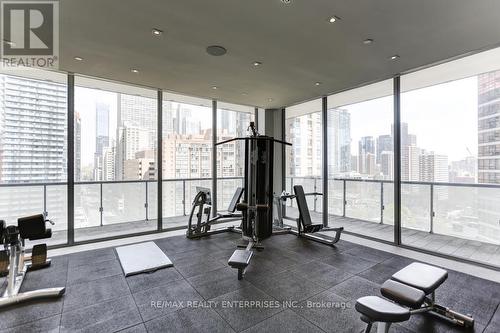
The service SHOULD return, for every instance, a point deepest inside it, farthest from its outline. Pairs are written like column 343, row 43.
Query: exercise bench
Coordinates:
column 409, row 291
column 13, row 256
column 305, row 226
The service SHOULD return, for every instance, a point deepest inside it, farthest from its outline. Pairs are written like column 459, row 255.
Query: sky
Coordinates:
column 444, row 117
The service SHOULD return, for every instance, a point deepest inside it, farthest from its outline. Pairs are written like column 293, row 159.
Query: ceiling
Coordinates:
column 295, row 43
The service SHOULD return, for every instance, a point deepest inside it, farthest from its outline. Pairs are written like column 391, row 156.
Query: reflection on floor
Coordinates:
column 459, row 247
column 318, row 283
column 117, row 229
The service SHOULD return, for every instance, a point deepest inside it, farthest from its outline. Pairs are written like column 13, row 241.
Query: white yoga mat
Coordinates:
column 142, row 258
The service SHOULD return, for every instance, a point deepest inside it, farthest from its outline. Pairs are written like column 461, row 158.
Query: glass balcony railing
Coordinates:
column 467, row 211
column 108, row 209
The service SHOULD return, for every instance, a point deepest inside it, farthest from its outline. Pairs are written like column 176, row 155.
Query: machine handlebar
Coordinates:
column 261, row 137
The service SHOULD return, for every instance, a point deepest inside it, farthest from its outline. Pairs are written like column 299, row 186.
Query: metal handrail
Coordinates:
column 406, row 182
column 44, row 186
column 432, row 189
column 90, row 182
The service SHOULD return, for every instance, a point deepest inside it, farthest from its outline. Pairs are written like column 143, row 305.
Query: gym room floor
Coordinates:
column 100, row 299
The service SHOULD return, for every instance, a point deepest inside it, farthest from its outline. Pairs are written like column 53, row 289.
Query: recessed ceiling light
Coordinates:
column 317, row 83
column 368, row 41
column 134, row 70
column 214, row 87
column 269, row 99
column 257, row 63
column 216, row 50
column 287, row 2
column 156, row 32
column 394, row 57
column 333, row 19
column 78, row 58
column 244, row 94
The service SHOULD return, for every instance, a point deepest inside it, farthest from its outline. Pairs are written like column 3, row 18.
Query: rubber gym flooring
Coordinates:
column 295, row 285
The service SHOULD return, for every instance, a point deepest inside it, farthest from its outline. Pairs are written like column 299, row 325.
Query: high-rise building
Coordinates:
column 489, row 127
column 108, row 163
column 32, row 130
column 354, row 163
column 131, row 139
column 101, row 127
column 78, row 147
column 370, row 166
column 137, row 110
column 305, row 158
column 366, row 155
column 387, row 164
column 410, row 163
column 136, row 129
column 412, row 140
column 187, row 156
column 339, row 141
column 433, row 167
column 231, row 156
column 142, row 167
column 384, row 143
column 101, row 138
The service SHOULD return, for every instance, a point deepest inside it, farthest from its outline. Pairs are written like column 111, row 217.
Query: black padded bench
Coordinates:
column 305, row 226
column 231, row 209
column 409, row 291
column 240, row 260
column 375, row 309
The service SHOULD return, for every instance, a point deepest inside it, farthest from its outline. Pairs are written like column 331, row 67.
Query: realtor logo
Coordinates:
column 30, row 34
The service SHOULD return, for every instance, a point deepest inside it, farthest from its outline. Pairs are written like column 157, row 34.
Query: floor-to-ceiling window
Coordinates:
column 115, row 159
column 450, row 158
column 303, row 165
column 33, row 148
column 187, row 154
column 232, row 121
column 361, row 159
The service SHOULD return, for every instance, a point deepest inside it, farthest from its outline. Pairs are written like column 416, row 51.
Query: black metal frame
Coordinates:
column 71, row 159
column 397, row 159
column 214, row 158
column 256, row 118
column 324, row 127
column 159, row 159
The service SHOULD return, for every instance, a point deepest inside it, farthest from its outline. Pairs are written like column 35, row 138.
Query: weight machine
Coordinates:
column 15, row 264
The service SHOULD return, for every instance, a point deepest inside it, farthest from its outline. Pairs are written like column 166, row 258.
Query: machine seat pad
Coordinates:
column 421, row 276
column 403, row 294
column 313, row 228
column 240, row 259
column 378, row 309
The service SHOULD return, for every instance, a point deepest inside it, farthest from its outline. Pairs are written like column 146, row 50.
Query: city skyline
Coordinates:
column 453, row 102
column 88, row 100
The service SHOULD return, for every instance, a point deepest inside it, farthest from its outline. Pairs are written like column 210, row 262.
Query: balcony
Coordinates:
column 458, row 220
column 109, row 209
